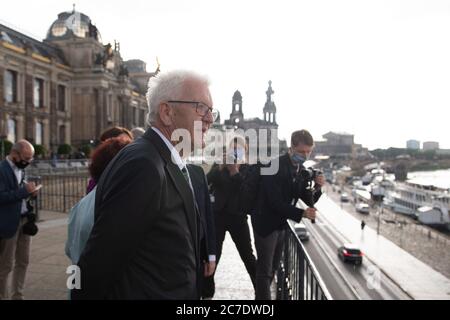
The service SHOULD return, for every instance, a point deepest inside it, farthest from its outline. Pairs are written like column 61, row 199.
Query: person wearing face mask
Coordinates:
column 225, row 181
column 278, row 196
column 14, row 243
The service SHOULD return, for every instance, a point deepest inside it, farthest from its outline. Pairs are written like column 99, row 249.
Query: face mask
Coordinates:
column 21, row 164
column 239, row 154
column 298, row 159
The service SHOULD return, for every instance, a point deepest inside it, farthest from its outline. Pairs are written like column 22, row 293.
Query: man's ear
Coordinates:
column 166, row 114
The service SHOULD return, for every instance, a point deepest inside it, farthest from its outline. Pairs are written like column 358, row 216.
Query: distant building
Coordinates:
column 430, row 145
column 237, row 120
column 413, row 144
column 69, row 87
column 340, row 145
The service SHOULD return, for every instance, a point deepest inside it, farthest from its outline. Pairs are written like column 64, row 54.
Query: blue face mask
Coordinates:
column 298, row 159
column 239, row 154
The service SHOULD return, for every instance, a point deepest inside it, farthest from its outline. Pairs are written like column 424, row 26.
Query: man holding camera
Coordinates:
column 277, row 198
column 14, row 215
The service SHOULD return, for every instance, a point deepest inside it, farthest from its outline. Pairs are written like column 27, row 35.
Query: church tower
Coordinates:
column 236, row 115
column 270, row 109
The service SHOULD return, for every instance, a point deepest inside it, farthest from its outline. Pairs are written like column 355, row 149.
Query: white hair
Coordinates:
column 168, row 86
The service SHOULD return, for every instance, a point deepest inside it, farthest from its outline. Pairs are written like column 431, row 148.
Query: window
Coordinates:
column 62, row 134
column 39, row 129
column 38, row 93
column 61, row 98
column 11, row 130
column 10, row 86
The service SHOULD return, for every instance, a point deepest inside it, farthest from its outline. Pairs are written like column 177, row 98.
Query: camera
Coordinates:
column 309, row 174
column 30, row 228
column 304, row 179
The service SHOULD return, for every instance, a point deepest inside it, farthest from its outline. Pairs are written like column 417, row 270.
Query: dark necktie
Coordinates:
column 186, row 175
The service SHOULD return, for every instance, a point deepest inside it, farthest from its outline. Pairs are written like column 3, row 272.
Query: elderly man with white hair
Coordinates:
column 145, row 239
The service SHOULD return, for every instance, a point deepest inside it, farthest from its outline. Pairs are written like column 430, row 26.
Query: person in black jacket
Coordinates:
column 145, row 240
column 225, row 181
column 208, row 230
column 277, row 203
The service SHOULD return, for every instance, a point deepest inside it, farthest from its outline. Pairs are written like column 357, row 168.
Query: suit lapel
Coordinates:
column 180, row 184
column 10, row 173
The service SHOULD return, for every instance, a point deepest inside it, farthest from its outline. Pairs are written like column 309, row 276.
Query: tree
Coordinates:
column 39, row 151
column 6, row 145
column 64, row 149
column 86, row 149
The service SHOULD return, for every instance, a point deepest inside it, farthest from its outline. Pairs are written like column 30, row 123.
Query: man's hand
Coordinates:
column 31, row 188
column 310, row 213
column 209, row 268
column 320, row 180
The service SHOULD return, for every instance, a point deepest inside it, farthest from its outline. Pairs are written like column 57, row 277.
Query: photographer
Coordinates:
column 277, row 200
column 225, row 181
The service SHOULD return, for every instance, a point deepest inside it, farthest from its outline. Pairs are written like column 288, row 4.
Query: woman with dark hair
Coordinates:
column 103, row 155
column 81, row 216
column 120, row 133
column 116, row 132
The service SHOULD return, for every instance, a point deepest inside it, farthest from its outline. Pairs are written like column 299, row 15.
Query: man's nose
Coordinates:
column 208, row 117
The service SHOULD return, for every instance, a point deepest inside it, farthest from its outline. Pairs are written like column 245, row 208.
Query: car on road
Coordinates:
column 351, row 253
column 301, row 231
column 345, row 197
column 362, row 207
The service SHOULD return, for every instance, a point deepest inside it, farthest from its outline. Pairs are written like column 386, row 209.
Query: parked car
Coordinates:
column 362, row 207
column 345, row 197
column 301, row 231
column 350, row 252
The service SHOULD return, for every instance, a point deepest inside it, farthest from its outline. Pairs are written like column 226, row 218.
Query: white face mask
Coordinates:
column 237, row 155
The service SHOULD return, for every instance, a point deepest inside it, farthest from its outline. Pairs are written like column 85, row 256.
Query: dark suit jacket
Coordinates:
column 144, row 243
column 11, row 196
column 226, row 190
column 208, row 230
column 276, row 198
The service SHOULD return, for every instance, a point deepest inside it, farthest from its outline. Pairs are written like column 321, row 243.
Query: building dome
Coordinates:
column 73, row 24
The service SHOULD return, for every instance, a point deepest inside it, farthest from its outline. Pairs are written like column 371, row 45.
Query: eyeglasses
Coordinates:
column 201, row 108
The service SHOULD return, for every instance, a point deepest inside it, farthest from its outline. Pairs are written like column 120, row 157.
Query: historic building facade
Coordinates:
column 68, row 88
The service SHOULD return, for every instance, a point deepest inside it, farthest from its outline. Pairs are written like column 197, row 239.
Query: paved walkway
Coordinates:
column 415, row 277
column 46, row 277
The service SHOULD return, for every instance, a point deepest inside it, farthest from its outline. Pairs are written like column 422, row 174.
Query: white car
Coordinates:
column 362, row 207
column 301, row 231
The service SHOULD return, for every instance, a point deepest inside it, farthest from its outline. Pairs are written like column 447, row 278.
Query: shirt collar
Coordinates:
column 12, row 165
column 175, row 155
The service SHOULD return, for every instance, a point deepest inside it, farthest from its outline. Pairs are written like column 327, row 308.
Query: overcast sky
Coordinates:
column 377, row 69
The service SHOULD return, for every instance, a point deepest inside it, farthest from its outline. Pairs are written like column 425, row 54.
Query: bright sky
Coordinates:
column 377, row 69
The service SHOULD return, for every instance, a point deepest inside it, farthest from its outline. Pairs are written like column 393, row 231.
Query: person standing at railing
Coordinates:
column 277, row 199
column 225, row 181
column 15, row 241
column 114, row 132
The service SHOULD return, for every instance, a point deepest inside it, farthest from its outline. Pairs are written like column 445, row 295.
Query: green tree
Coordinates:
column 6, row 145
column 39, row 151
column 64, row 149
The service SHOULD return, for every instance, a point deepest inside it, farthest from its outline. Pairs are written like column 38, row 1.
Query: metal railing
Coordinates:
column 297, row 277
column 60, row 192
